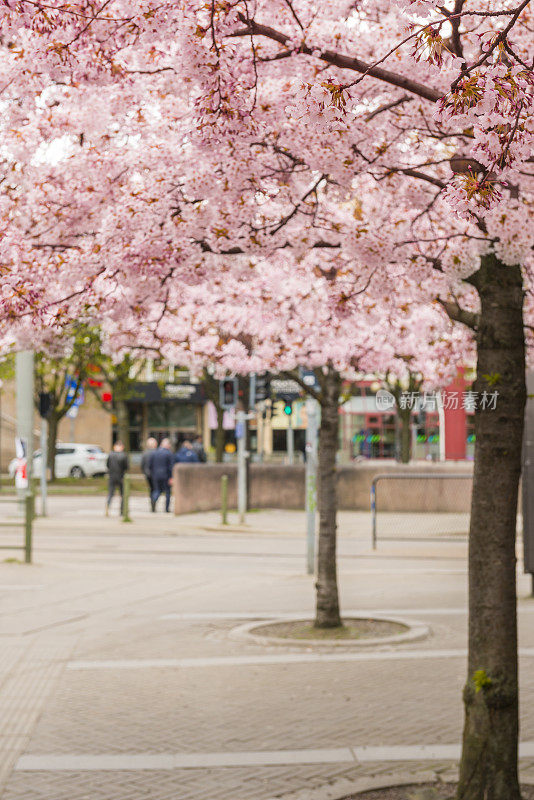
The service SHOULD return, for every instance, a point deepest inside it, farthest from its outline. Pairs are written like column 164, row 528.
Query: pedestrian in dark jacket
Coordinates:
column 160, row 464
column 117, row 465
column 198, row 447
column 186, row 454
column 151, row 445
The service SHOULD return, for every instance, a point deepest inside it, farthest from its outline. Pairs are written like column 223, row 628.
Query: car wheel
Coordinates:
column 77, row 472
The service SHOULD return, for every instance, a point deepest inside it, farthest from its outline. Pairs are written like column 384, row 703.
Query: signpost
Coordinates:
column 24, row 393
column 44, row 411
column 311, row 482
column 241, row 436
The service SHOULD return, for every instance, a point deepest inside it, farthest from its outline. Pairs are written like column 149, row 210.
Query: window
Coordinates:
column 172, row 415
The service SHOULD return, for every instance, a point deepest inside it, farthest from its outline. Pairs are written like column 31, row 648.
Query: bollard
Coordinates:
column 224, row 499
column 126, row 499
column 28, row 519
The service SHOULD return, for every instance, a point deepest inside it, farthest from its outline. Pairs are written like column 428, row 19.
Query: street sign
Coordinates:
column 285, row 389
column 309, row 378
column 72, row 385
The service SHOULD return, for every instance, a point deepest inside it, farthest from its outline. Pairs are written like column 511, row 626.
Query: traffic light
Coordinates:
column 288, row 404
column 228, row 393
column 45, row 404
column 263, row 387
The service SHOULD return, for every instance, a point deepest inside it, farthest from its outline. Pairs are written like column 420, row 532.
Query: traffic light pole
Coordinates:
column 44, row 461
column 311, row 482
column 241, row 431
column 290, row 441
column 24, row 394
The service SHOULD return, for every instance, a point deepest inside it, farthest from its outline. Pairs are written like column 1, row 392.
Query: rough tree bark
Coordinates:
column 405, row 417
column 488, row 769
column 219, row 435
column 53, row 421
column 123, row 423
column 327, row 599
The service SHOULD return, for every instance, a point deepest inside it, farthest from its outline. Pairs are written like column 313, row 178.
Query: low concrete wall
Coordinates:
column 197, row 487
column 434, row 492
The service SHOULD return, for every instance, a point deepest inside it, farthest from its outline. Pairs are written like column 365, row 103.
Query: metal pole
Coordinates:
column 28, row 520
column 44, row 459
column 241, row 431
column 126, row 499
column 311, row 483
column 290, row 441
column 224, row 499
column 24, row 392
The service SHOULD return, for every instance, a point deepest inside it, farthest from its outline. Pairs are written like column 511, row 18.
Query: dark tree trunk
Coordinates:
column 405, row 417
column 123, row 423
column 219, row 436
column 53, row 422
column 327, row 600
column 488, row 769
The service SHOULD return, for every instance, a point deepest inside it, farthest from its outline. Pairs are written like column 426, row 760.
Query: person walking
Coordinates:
column 117, row 465
column 198, row 447
column 151, row 445
column 186, row 454
column 160, row 463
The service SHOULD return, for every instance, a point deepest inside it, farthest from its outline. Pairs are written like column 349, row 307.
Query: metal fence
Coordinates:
column 420, row 506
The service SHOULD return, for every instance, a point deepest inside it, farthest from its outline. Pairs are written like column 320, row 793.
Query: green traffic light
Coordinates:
column 287, row 409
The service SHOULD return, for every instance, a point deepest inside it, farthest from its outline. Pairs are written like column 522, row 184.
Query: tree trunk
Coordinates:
column 327, row 600
column 405, row 418
column 219, row 435
column 123, row 423
column 488, row 769
column 53, row 422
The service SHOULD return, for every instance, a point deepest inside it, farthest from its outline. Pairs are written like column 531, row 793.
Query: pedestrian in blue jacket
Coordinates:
column 186, row 454
column 160, row 465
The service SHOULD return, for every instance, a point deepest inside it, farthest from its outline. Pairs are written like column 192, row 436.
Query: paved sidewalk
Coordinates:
column 119, row 677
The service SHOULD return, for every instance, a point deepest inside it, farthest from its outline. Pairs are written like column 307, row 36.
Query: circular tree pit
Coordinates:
column 422, row 791
column 354, row 632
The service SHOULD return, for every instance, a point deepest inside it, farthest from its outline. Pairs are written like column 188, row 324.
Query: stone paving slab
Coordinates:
column 238, row 783
column 228, row 708
column 104, row 592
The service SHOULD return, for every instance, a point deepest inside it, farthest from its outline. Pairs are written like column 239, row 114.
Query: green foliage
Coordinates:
column 69, row 357
column 7, row 367
column 492, row 379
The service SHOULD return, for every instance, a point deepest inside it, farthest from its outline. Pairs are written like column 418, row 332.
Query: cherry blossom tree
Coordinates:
column 279, row 317
column 393, row 138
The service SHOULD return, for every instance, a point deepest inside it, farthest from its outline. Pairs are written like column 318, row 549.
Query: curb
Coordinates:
column 416, row 631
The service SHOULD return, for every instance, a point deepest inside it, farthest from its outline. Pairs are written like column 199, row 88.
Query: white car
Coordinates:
column 73, row 460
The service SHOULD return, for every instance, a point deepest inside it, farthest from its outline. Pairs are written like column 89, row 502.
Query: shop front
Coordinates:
column 164, row 410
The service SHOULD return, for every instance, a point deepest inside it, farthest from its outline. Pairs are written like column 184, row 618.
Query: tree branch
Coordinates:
column 453, row 310
column 342, row 61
